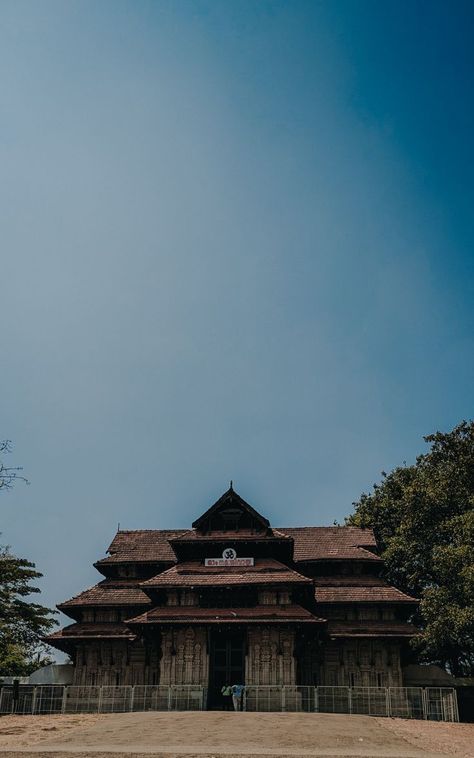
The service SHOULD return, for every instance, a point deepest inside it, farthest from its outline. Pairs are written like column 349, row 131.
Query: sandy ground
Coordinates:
column 218, row 735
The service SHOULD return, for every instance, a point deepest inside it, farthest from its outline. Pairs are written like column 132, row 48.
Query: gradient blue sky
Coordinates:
column 236, row 243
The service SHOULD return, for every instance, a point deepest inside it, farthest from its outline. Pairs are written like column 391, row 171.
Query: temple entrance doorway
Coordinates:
column 226, row 665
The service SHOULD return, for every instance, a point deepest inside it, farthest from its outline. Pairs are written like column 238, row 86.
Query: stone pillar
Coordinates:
column 270, row 658
column 185, row 658
column 363, row 663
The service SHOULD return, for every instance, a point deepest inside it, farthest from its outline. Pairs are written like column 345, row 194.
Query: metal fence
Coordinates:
column 433, row 703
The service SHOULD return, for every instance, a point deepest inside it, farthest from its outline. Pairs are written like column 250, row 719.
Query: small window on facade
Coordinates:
column 352, row 679
column 117, row 679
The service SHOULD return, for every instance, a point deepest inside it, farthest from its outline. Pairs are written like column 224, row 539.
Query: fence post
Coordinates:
column 455, row 704
column 33, row 700
column 283, row 698
column 349, row 698
column 169, row 697
column 132, row 698
column 316, row 700
column 388, row 702
column 63, row 702
column 424, row 702
column 99, row 704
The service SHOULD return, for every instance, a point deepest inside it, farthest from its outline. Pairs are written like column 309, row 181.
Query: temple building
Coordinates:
column 234, row 600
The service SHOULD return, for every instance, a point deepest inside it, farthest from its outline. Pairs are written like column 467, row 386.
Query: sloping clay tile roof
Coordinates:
column 350, row 580
column 331, row 542
column 92, row 630
column 194, row 574
column 353, row 594
column 195, row 615
column 310, row 543
column 230, row 536
column 143, row 545
column 371, row 629
column 113, row 592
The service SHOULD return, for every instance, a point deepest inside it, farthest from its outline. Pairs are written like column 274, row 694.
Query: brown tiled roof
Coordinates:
column 361, row 594
column 90, row 631
column 350, row 580
column 310, row 543
column 170, row 614
column 371, row 629
column 192, row 535
column 142, row 545
column 194, row 574
column 114, row 592
column 314, row 543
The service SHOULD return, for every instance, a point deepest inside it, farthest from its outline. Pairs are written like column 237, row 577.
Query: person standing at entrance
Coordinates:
column 237, row 691
column 226, row 692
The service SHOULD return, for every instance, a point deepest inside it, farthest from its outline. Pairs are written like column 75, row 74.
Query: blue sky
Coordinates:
column 236, row 244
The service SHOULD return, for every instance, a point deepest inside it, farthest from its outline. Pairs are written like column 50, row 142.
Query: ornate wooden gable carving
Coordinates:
column 231, row 513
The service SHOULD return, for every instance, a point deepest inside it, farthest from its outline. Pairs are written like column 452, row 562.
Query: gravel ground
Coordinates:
column 229, row 735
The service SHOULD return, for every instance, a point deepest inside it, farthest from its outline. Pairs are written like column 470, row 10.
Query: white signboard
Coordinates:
column 228, row 561
column 229, row 558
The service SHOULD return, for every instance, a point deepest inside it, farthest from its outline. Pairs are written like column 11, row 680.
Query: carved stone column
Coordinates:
column 185, row 657
column 270, row 658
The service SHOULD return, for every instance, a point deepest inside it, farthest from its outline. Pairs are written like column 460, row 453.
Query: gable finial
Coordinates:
column 230, row 484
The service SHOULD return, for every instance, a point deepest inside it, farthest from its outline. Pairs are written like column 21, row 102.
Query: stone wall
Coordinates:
column 185, row 658
column 270, row 656
column 116, row 663
column 360, row 663
column 273, row 657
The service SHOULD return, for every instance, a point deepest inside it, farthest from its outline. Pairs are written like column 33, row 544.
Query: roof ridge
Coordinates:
column 136, row 531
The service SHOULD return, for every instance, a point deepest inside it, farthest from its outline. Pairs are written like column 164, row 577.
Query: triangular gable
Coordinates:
column 230, row 512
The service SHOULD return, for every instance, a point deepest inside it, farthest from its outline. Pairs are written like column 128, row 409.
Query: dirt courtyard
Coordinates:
column 217, row 734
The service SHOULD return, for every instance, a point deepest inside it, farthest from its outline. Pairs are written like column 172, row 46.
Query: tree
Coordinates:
column 423, row 518
column 22, row 622
column 9, row 474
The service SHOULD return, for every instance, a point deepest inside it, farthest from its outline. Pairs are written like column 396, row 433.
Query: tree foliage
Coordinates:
column 9, row 474
column 22, row 622
column 423, row 518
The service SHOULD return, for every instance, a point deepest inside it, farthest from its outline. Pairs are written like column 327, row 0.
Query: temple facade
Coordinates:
column 233, row 600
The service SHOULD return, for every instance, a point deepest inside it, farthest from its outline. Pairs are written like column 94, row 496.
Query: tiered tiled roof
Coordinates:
column 112, row 592
column 196, row 615
column 322, row 543
column 358, row 589
column 143, row 545
column 193, row 535
column 91, row 631
column 311, row 543
column 266, row 571
column 371, row 629
column 158, row 550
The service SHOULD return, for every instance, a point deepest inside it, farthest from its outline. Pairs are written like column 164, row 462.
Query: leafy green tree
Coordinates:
column 22, row 622
column 423, row 518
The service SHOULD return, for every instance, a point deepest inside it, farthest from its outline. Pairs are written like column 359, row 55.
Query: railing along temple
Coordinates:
column 431, row 703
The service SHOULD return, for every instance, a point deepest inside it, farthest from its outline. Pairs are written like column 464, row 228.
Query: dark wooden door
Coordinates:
column 226, row 666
